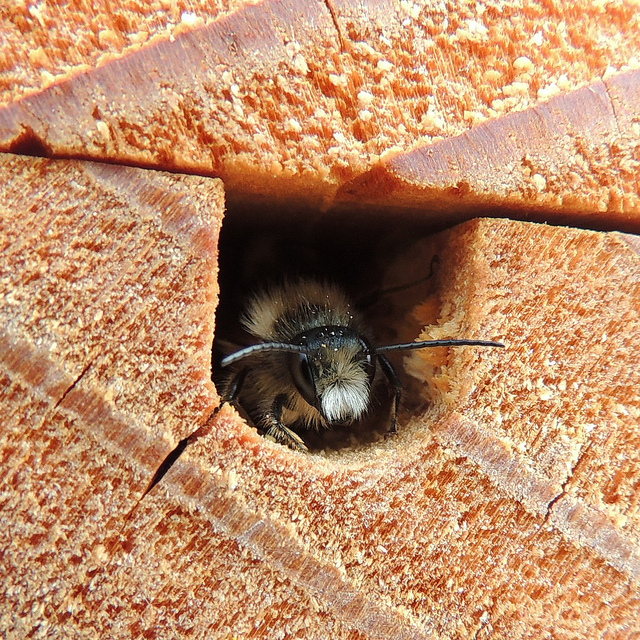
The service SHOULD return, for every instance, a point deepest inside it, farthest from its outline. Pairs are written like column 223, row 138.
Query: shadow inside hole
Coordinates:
column 258, row 248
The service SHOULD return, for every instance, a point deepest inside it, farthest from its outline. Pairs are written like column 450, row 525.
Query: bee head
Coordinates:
column 334, row 372
column 332, row 367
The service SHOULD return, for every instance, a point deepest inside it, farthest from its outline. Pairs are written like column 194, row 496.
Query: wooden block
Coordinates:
column 108, row 293
column 291, row 102
column 509, row 504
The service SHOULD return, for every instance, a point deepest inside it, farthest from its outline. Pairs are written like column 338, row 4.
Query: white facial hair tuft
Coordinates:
column 345, row 401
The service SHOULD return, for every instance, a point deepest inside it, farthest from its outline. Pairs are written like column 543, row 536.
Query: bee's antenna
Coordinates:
column 259, row 348
column 406, row 346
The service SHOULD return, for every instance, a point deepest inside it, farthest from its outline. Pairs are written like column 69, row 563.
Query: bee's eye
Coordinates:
column 303, row 378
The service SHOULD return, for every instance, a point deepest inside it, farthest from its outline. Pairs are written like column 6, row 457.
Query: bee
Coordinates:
column 314, row 365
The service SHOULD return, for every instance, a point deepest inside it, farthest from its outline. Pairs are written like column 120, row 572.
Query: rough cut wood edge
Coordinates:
column 292, row 118
column 506, row 510
column 108, row 290
column 536, row 156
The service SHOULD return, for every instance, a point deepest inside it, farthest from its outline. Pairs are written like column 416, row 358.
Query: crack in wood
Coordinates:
column 563, row 489
column 173, row 455
column 166, row 464
column 334, row 18
column 74, row 384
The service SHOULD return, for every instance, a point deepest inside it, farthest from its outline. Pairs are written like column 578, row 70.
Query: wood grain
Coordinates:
column 536, row 156
column 289, row 102
column 507, row 506
column 108, row 296
column 501, row 510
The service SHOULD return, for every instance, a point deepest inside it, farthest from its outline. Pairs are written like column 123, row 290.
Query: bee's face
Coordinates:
column 335, row 376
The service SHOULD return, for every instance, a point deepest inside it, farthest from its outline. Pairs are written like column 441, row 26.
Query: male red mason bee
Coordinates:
column 314, row 364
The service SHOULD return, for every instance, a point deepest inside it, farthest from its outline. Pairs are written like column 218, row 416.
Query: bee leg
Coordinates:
column 276, row 429
column 234, row 387
column 231, row 393
column 394, row 382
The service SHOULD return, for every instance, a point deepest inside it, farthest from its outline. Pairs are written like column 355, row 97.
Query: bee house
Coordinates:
column 462, row 170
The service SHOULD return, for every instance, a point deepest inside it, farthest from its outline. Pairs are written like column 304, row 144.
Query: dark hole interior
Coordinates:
column 259, row 247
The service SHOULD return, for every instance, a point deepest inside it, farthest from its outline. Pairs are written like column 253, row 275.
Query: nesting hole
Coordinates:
column 259, row 247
